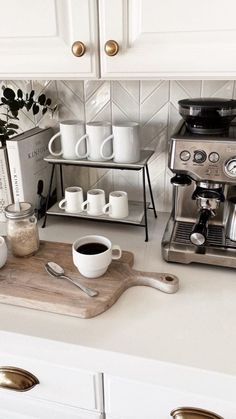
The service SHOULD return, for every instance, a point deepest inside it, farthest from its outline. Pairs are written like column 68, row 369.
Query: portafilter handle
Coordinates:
column 198, row 235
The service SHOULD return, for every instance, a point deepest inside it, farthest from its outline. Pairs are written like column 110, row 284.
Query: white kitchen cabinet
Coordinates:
column 36, row 39
column 128, row 399
column 157, row 39
column 168, row 38
column 63, row 391
column 60, row 383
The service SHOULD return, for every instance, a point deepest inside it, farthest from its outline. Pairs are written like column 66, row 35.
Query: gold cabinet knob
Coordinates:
column 78, row 48
column 17, row 379
column 111, row 48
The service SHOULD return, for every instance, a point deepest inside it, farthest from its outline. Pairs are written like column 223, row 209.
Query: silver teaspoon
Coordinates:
column 57, row 271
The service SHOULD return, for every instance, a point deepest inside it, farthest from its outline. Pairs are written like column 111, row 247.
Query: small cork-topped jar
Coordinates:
column 22, row 229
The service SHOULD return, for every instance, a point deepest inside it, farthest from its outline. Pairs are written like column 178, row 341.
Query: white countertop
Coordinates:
column 196, row 327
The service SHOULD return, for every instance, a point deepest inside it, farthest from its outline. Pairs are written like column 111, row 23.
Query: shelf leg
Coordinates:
column 145, row 206
column 48, row 196
column 151, row 194
column 61, row 180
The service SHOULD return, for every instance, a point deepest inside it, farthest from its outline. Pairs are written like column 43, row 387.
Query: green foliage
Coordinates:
column 13, row 102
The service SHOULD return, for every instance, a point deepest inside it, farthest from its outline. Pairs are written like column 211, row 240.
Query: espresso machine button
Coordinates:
column 185, row 155
column 213, row 157
column 199, row 156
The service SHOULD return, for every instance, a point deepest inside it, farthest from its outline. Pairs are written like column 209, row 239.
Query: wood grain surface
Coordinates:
column 24, row 282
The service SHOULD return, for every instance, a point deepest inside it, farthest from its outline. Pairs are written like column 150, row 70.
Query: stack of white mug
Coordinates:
column 95, row 204
column 98, row 141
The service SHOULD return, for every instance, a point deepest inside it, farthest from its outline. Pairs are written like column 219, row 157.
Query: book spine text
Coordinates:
column 15, row 170
column 5, row 183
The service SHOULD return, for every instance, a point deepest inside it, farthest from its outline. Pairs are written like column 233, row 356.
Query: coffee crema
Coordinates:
column 92, row 248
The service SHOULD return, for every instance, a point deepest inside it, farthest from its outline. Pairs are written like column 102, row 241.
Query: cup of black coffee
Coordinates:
column 93, row 254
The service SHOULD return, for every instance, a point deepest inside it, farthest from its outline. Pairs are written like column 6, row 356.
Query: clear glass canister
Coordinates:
column 22, row 229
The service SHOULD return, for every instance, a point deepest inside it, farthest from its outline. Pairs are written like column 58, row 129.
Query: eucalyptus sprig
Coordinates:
column 13, row 102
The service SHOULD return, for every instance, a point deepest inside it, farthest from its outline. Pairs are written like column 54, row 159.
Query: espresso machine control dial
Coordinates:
column 230, row 167
column 199, row 156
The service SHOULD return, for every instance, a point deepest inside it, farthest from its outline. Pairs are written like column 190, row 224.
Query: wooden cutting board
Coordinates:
column 24, row 282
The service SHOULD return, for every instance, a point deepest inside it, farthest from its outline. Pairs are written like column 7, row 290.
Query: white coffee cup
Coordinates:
column 71, row 132
column 126, row 143
column 95, row 202
column 96, row 133
column 73, row 199
column 3, row 252
column 93, row 254
column 118, row 205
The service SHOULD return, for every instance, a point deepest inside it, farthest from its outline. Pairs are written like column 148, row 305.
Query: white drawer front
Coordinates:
column 59, row 383
column 138, row 400
column 13, row 407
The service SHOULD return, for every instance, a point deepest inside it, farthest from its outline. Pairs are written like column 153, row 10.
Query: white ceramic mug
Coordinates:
column 71, row 132
column 95, row 202
column 118, row 205
column 96, row 133
column 73, row 199
column 126, row 143
column 93, row 254
column 3, row 252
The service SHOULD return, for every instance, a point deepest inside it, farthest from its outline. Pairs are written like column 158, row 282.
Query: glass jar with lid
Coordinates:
column 22, row 229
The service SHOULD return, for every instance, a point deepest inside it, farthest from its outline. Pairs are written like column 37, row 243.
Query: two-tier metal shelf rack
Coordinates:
column 137, row 209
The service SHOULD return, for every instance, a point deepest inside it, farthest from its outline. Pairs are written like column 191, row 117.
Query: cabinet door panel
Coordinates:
column 59, row 383
column 130, row 399
column 14, row 407
column 168, row 39
column 36, row 39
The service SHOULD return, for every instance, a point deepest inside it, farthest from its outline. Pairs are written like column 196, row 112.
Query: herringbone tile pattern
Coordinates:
column 153, row 104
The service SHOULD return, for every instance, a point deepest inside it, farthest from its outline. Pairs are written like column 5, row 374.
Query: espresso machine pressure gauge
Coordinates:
column 230, row 167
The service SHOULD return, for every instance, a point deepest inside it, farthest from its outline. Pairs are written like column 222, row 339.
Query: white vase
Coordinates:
column 3, row 252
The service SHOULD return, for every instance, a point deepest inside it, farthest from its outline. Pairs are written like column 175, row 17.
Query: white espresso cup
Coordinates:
column 118, row 205
column 93, row 254
column 3, row 252
column 95, row 202
column 126, row 143
column 71, row 132
column 96, row 133
column 73, row 199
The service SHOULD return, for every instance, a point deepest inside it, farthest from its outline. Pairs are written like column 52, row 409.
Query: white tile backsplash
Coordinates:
column 125, row 100
column 152, row 103
column 97, row 101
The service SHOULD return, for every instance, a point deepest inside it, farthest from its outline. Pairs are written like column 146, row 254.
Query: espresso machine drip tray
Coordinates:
column 177, row 247
column 183, row 230
column 216, row 235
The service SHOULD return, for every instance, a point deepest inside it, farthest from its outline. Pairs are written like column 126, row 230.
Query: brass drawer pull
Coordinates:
column 17, row 379
column 193, row 413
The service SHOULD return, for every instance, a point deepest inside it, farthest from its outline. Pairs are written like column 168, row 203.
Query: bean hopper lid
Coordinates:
column 207, row 115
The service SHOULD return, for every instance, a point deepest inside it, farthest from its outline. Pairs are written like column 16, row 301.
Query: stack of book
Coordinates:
column 24, row 175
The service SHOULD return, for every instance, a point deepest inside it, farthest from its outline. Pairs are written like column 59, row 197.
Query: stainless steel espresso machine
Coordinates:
column 202, row 156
